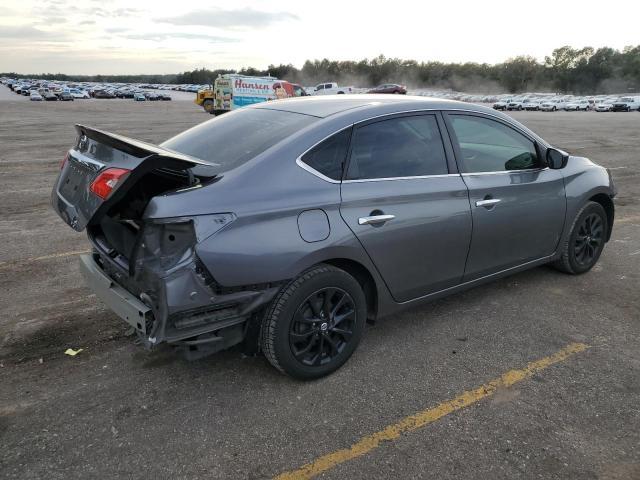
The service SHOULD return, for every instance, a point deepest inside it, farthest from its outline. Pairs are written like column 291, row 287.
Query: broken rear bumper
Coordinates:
column 120, row 301
column 161, row 310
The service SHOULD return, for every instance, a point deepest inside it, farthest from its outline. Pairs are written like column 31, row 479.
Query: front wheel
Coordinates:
column 582, row 249
column 208, row 105
column 315, row 323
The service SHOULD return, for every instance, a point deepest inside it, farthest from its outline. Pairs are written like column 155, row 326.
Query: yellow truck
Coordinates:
column 232, row 91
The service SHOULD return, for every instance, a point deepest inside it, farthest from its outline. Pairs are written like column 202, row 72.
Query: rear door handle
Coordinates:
column 375, row 219
column 488, row 202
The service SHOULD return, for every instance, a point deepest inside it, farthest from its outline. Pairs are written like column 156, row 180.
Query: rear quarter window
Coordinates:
column 329, row 156
column 234, row 138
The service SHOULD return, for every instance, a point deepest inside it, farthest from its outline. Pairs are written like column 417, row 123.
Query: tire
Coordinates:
column 296, row 319
column 589, row 229
column 208, row 105
column 553, row 109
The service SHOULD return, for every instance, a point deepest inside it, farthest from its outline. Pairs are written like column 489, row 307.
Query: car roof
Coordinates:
column 327, row 105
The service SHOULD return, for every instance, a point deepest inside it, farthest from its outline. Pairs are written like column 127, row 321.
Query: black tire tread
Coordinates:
column 267, row 334
column 563, row 264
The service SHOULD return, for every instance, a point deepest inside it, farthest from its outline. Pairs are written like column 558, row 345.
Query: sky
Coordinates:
column 158, row 36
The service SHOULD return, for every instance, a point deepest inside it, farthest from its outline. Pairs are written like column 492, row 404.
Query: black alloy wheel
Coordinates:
column 322, row 326
column 581, row 249
column 589, row 240
column 314, row 324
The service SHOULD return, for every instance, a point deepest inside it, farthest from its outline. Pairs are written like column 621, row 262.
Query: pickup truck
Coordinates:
column 331, row 89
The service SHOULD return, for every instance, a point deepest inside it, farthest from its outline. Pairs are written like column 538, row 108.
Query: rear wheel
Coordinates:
column 315, row 323
column 582, row 249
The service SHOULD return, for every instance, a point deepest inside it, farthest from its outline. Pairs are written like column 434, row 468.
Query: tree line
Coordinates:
column 567, row 70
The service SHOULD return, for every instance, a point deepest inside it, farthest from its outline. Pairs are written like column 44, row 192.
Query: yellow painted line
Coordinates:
column 421, row 419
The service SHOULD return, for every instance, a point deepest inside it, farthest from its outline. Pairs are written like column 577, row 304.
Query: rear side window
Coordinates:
column 490, row 146
column 399, row 147
column 236, row 137
column 328, row 157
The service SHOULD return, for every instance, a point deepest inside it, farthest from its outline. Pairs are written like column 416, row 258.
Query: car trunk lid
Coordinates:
column 102, row 167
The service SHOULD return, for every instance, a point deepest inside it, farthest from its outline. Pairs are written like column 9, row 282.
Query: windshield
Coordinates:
column 236, row 137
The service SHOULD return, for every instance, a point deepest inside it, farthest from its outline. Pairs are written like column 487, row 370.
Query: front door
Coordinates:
column 518, row 205
column 410, row 213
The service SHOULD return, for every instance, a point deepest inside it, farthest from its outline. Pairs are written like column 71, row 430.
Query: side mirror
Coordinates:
column 556, row 159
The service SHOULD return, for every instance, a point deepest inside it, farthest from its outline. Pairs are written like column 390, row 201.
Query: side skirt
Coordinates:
column 467, row 285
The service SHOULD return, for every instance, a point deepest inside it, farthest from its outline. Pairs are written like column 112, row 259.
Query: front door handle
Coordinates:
column 488, row 202
column 375, row 219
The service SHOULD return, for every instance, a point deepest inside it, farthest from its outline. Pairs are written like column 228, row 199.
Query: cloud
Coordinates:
column 242, row 18
column 87, row 22
column 26, row 32
column 114, row 13
column 159, row 37
column 52, row 20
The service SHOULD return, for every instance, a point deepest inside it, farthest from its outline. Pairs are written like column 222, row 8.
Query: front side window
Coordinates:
column 399, row 147
column 328, row 157
column 490, row 146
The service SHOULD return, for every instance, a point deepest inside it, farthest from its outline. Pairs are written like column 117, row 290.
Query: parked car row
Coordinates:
column 569, row 103
column 42, row 90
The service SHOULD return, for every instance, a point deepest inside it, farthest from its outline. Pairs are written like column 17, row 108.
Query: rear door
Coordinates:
column 518, row 204
column 406, row 204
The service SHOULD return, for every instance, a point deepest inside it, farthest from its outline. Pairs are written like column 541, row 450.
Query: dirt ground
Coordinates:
column 115, row 410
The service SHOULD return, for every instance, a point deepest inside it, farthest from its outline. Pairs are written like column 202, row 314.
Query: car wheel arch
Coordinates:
column 606, row 202
column 364, row 277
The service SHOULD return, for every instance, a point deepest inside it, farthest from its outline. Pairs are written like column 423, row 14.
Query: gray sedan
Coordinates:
column 287, row 225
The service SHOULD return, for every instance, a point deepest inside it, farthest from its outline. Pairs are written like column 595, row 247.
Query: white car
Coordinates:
column 552, row 105
column 331, row 88
column 35, row 96
column 516, row 103
column 577, row 105
column 531, row 105
column 605, row 105
column 77, row 93
column 501, row 104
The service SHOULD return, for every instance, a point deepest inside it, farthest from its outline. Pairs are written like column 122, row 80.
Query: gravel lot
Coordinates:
column 117, row 410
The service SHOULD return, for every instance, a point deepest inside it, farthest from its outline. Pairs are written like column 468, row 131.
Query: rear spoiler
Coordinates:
column 135, row 147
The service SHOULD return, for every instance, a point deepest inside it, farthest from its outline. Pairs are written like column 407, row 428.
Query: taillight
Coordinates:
column 64, row 160
column 108, row 181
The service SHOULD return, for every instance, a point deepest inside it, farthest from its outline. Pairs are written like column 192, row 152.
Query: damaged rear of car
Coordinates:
column 144, row 264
